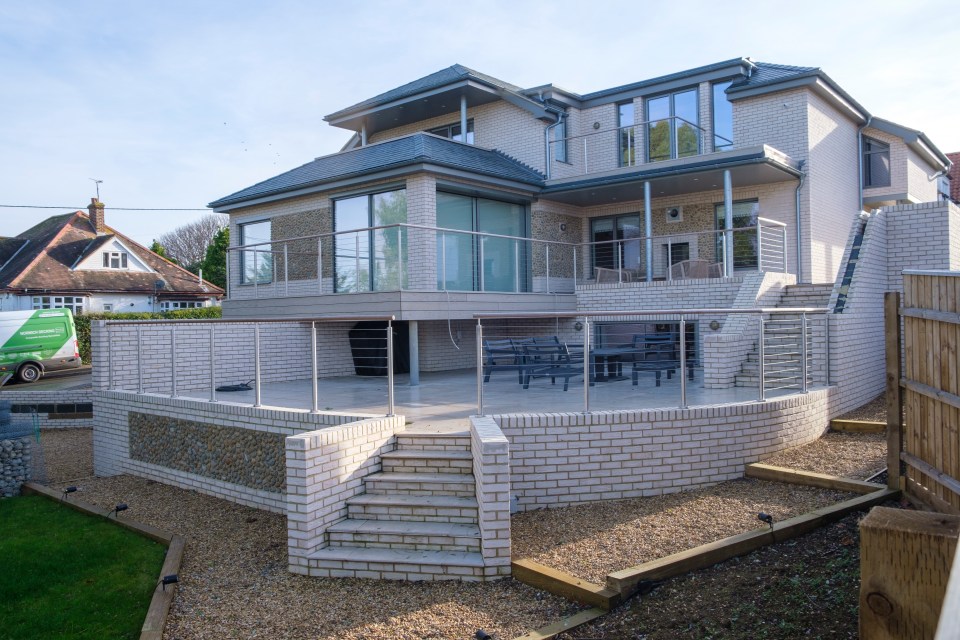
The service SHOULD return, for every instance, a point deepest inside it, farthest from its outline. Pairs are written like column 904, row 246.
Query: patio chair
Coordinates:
column 605, row 275
column 502, row 355
column 655, row 354
column 550, row 361
column 695, row 268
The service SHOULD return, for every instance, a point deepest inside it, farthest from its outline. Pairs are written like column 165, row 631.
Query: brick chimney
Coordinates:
column 97, row 215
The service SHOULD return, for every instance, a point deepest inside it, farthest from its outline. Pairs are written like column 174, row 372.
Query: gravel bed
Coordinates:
column 234, row 581
column 590, row 541
column 67, row 454
column 850, row 455
column 875, row 410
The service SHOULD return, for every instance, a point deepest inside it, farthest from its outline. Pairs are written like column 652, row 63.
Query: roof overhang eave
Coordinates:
column 818, row 81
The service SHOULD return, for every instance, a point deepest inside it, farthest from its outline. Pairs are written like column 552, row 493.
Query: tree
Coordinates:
column 158, row 249
column 215, row 262
column 188, row 244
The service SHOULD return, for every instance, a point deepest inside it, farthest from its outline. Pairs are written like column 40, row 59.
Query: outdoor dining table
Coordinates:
column 607, row 364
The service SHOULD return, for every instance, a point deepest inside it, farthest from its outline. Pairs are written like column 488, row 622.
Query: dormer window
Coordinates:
column 114, row 260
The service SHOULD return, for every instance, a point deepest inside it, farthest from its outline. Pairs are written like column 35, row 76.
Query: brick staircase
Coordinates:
column 781, row 349
column 417, row 519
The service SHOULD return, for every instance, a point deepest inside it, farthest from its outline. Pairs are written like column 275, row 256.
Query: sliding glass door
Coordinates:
column 474, row 262
column 370, row 259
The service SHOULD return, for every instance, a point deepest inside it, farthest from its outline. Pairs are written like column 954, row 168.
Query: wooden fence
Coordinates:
column 923, row 389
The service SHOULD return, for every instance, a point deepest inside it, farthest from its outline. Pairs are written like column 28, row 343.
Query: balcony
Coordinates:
column 454, row 273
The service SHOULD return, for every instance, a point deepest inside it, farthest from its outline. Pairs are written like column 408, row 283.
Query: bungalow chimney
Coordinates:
column 97, row 215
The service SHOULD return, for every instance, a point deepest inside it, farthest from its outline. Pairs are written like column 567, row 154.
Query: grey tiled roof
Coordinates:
column 769, row 73
column 413, row 149
column 441, row 78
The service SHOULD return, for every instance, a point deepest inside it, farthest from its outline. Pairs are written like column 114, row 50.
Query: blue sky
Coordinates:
column 174, row 104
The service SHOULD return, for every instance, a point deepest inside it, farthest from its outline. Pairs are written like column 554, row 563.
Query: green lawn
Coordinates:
column 69, row 575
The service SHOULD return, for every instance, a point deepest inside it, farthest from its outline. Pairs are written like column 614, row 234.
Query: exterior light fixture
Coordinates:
column 117, row 509
column 765, row 517
column 578, row 326
column 170, row 579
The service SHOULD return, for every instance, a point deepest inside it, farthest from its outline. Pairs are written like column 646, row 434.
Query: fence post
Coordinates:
column 315, row 406
column 390, row 367
column 139, row 359
column 213, row 360
column 256, row 364
column 479, row 367
column 173, row 362
column 803, row 351
column 760, row 364
column 683, row 363
column 586, row 365
column 892, row 338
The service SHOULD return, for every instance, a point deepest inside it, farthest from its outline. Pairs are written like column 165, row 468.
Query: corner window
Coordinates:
column 365, row 258
column 876, row 163
column 114, row 260
column 722, row 118
column 626, row 136
column 74, row 303
column 256, row 263
column 452, row 131
column 559, row 146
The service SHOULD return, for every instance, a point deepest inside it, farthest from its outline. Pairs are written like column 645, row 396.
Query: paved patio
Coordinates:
column 446, row 398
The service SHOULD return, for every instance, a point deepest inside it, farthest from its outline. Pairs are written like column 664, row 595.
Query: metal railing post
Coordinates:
column 139, row 359
column 479, row 367
column 273, row 271
column 226, row 288
column 516, row 266
column 390, row 410
column 575, row 268
column 483, row 284
column 759, row 247
column 286, row 271
column 669, row 261
column 803, row 350
column 548, row 267
column 256, row 365
column 315, row 405
column 320, row 266
column 400, row 258
column 356, row 260
column 256, row 274
column 586, row 365
column 727, row 271
column 760, row 364
column 826, row 345
column 783, row 240
column 443, row 259
column 618, row 249
column 683, row 363
column 173, row 362
column 213, row 361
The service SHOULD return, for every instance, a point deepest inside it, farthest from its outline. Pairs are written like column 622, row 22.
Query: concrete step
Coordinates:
column 427, row 461
column 421, row 484
column 371, row 506
column 395, row 564
column 398, row 534
column 434, row 441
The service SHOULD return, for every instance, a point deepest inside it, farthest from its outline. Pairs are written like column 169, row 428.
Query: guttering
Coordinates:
column 860, row 158
column 546, row 141
column 799, row 242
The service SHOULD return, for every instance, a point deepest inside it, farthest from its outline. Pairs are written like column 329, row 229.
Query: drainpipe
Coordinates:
column 860, row 157
column 546, row 140
column 799, row 242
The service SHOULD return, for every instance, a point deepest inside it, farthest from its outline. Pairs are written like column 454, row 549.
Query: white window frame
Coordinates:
column 175, row 305
column 119, row 256
column 76, row 304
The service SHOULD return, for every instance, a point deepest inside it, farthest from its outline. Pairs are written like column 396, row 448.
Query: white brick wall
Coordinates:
column 491, row 472
column 562, row 459
column 66, row 396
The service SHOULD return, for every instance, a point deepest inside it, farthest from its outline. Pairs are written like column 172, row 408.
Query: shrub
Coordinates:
column 83, row 322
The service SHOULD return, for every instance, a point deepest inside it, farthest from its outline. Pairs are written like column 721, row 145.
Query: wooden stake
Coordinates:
column 891, row 314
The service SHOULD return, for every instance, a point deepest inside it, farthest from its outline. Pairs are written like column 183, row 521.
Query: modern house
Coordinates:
column 552, row 197
column 76, row 261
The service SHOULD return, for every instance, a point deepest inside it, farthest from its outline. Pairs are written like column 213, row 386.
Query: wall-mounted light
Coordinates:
column 596, row 125
column 714, row 325
column 563, row 226
column 578, row 326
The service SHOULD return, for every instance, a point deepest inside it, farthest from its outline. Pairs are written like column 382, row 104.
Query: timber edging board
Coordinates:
column 566, row 624
column 626, row 581
column 563, row 584
column 809, row 478
column 156, row 617
column 857, row 426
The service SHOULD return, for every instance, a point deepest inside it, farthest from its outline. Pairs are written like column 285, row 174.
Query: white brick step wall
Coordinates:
column 395, row 564
column 443, row 441
column 413, row 484
column 372, row 506
column 427, row 461
column 420, row 536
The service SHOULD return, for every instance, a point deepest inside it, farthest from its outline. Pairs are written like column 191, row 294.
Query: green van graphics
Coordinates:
column 34, row 342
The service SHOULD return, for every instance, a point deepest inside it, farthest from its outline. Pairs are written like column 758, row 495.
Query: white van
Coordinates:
column 34, row 342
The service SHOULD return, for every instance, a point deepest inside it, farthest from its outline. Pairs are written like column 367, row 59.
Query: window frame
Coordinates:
column 616, row 233
column 630, row 136
column 560, row 141
column 671, row 120
column 76, row 304
column 713, row 115
column 750, row 265
column 176, row 305
column 370, row 258
column 867, row 168
column 446, row 131
column 121, row 258
column 268, row 277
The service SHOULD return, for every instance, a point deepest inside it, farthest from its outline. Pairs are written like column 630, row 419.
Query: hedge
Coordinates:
column 83, row 322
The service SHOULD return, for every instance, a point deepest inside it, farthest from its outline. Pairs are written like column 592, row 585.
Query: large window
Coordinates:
column 722, row 118
column 472, row 262
column 256, row 264
column 559, row 145
column 745, row 214
column 74, row 303
column 876, row 163
column 370, row 259
column 452, row 131
column 673, row 126
column 609, row 254
column 626, row 138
